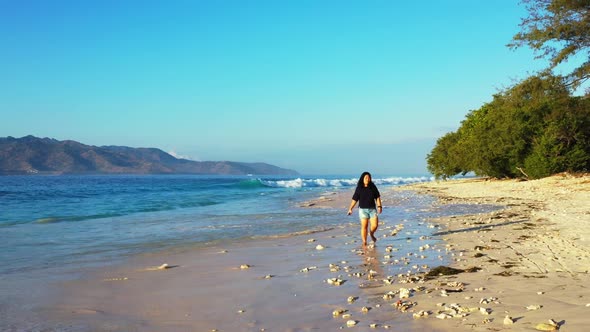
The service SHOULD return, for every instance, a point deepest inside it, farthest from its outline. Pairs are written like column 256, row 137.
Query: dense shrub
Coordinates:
column 535, row 128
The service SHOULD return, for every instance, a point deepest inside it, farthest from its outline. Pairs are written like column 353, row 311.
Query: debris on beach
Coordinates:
column 351, row 323
column 508, row 320
column 442, row 271
column 485, row 311
column 390, row 295
column 164, row 266
column 335, row 281
column 421, row 314
column 338, row 312
column 404, row 306
column 116, row 279
column 334, row 267
column 551, row 326
column 307, row 269
column 404, row 293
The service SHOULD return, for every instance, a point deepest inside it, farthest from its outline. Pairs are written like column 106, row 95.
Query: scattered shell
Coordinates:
column 334, row 268
column 546, row 327
column 244, row 266
column 116, row 279
column 485, row 311
column 351, row 323
column 338, row 312
column 508, row 320
column 307, row 269
column 311, row 240
column 351, row 299
column 390, row 295
column 534, row 307
column 540, row 293
column 268, row 276
column 335, row 281
column 373, row 326
column 241, row 311
column 365, row 309
column 223, row 252
column 319, row 247
column 421, row 313
column 346, row 316
column 404, row 293
column 163, row 266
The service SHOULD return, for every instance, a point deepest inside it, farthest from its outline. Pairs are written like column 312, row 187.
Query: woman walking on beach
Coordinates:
column 369, row 199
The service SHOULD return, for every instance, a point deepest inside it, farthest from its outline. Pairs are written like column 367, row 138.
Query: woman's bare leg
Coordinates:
column 374, row 226
column 364, row 226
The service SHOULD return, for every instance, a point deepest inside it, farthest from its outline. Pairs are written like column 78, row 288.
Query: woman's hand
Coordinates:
column 349, row 212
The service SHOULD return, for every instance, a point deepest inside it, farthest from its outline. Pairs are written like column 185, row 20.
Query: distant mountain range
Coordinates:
column 33, row 155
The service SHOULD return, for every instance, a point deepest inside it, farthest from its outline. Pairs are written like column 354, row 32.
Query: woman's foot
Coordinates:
column 373, row 237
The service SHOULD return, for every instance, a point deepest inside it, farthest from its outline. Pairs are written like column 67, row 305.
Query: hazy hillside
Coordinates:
column 33, row 155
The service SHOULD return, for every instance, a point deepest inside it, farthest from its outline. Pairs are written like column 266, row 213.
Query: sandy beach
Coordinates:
column 533, row 256
column 529, row 260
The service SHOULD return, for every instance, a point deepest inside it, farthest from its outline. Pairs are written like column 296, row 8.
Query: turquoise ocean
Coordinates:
column 75, row 221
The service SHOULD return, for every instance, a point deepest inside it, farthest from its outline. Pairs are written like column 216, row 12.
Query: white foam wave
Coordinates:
column 301, row 183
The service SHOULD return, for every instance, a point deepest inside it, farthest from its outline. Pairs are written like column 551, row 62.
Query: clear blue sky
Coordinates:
column 323, row 87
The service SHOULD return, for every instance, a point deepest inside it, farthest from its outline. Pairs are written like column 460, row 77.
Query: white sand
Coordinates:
column 534, row 253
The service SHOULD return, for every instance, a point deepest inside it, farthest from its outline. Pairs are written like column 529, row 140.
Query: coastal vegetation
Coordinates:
column 537, row 127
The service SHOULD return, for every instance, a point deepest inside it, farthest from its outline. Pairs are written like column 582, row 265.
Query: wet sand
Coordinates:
column 533, row 252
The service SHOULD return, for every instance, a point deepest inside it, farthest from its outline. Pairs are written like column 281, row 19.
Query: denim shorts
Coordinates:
column 367, row 213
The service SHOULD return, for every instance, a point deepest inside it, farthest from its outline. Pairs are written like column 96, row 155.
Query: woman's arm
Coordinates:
column 379, row 206
column 352, row 204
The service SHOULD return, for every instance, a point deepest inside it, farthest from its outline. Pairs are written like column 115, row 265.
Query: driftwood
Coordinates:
column 520, row 169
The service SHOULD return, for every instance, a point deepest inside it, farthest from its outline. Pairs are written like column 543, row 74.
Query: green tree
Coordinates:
column 565, row 144
column 441, row 160
column 535, row 128
column 558, row 30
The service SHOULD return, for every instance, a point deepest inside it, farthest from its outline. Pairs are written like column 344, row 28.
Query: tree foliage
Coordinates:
column 558, row 30
column 535, row 128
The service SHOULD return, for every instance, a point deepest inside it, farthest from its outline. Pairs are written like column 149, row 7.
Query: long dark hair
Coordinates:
column 361, row 183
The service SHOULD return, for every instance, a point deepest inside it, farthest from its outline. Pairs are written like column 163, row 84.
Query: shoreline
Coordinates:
column 282, row 284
